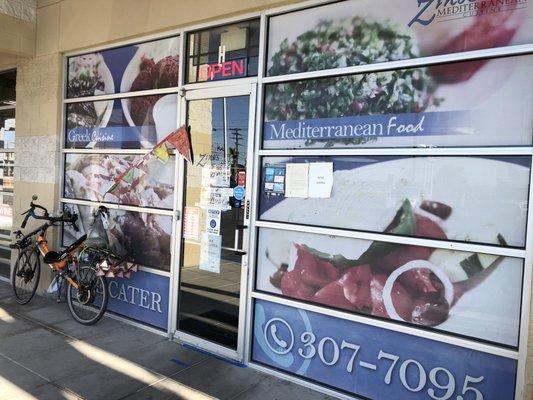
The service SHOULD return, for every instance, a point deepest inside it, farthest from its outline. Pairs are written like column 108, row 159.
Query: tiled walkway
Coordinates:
column 45, row 354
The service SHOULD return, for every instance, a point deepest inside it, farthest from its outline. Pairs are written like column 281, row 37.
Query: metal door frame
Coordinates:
column 239, row 89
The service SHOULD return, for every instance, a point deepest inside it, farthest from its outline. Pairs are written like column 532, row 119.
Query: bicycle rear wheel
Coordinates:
column 26, row 274
column 88, row 302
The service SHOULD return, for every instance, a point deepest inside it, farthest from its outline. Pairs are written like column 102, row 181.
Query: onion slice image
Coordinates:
column 415, row 264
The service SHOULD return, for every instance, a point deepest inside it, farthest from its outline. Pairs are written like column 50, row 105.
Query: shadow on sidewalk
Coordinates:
column 45, row 354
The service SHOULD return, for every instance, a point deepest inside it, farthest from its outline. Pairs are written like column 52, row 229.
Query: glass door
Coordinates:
column 214, row 235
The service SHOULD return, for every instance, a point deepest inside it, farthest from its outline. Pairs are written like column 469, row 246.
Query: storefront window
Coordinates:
column 370, row 240
column 358, row 32
column 442, row 105
column 110, row 174
column 7, row 163
column 143, row 237
column 144, row 66
column 128, row 123
column 226, row 52
column 470, row 294
column 468, row 199
column 91, row 176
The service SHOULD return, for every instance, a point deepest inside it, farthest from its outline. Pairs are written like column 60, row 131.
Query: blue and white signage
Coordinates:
column 239, row 193
column 374, row 362
column 212, row 223
column 382, row 125
column 143, row 297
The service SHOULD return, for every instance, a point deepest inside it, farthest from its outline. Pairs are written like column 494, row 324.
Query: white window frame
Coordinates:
column 175, row 244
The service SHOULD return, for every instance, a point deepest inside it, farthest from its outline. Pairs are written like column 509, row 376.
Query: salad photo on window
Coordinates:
column 361, row 32
column 448, row 104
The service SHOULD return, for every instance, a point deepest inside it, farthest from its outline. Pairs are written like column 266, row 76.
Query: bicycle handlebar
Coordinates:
column 68, row 218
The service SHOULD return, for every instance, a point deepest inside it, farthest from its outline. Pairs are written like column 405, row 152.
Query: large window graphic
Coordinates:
column 119, row 132
column 360, row 32
column 420, row 107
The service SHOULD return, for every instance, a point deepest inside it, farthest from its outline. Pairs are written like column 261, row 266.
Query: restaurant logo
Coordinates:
column 87, row 135
column 447, row 10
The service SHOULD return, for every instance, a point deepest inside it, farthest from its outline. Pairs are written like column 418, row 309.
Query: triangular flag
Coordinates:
column 181, row 141
column 127, row 274
column 161, row 152
column 128, row 175
column 104, row 265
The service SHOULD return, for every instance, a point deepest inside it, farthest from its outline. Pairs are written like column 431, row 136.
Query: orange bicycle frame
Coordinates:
column 42, row 243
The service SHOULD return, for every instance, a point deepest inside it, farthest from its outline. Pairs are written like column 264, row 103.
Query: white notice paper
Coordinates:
column 191, row 223
column 320, row 179
column 210, row 252
column 296, row 180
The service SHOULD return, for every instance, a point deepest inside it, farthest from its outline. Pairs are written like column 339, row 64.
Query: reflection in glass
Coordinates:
column 8, row 80
column 469, row 294
column 7, row 160
column 142, row 237
column 7, row 128
column 91, row 176
column 132, row 123
column 472, row 199
column 230, row 51
column 210, row 272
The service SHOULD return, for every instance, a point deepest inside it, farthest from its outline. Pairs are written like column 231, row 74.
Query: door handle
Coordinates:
column 238, row 228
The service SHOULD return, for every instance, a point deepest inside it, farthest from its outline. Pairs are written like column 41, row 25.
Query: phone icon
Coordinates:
column 274, row 332
column 273, row 338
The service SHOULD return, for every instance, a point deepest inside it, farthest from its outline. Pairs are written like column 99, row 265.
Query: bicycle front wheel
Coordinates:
column 88, row 302
column 26, row 274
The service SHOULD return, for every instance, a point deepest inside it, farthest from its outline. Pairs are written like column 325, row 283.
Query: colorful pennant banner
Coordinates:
column 181, row 141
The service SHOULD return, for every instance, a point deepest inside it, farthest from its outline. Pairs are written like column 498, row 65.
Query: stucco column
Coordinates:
column 37, row 134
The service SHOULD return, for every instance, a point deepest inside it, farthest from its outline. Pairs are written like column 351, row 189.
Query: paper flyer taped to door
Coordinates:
column 320, row 179
column 296, row 180
column 210, row 252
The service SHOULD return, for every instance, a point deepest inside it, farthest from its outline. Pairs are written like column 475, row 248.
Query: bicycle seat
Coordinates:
column 52, row 257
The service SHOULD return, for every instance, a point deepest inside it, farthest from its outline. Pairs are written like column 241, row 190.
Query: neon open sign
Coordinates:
column 224, row 70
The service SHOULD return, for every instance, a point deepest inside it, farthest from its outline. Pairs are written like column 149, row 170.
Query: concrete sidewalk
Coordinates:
column 45, row 354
